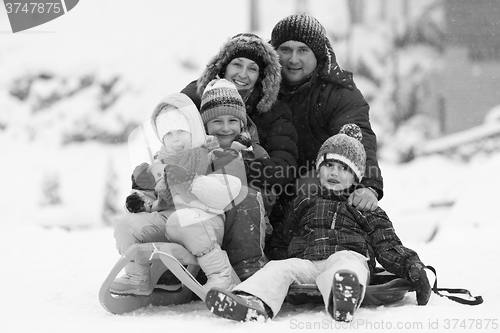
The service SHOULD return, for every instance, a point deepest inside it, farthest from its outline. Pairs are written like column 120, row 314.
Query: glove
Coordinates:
column 135, row 203
column 418, row 277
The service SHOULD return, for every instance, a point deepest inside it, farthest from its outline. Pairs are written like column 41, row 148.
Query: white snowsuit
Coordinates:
column 200, row 231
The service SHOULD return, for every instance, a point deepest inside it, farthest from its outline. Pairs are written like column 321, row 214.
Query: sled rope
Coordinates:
column 156, row 251
column 476, row 300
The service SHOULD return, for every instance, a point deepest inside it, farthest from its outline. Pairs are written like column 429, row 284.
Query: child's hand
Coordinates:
column 363, row 199
column 419, row 278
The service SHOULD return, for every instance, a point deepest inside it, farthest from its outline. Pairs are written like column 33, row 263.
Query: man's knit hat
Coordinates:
column 345, row 148
column 308, row 30
column 222, row 98
column 301, row 28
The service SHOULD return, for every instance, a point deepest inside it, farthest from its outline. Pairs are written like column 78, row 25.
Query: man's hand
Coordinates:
column 363, row 199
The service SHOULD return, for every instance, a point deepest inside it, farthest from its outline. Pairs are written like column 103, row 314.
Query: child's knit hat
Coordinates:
column 301, row 28
column 345, row 148
column 222, row 98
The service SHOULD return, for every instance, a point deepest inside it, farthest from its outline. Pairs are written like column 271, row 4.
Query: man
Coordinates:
column 322, row 98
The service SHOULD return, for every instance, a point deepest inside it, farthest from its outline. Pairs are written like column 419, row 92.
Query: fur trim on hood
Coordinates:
column 270, row 76
column 185, row 105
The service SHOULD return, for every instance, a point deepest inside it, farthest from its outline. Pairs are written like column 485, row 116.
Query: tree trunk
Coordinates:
column 254, row 15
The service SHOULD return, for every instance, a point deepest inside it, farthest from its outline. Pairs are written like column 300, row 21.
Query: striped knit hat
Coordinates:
column 345, row 148
column 222, row 98
column 301, row 28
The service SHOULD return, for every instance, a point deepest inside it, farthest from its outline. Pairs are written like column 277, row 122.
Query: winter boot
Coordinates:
column 135, row 281
column 216, row 266
column 345, row 297
column 239, row 307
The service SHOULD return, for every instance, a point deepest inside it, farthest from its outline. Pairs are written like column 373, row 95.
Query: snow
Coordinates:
column 55, row 256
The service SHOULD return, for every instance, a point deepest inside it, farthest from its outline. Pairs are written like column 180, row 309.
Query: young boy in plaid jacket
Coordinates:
column 328, row 243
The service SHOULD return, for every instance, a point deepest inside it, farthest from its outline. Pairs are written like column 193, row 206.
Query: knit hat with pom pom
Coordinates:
column 345, row 148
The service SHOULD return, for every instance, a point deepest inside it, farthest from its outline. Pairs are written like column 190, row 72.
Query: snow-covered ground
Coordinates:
column 55, row 256
column 51, row 276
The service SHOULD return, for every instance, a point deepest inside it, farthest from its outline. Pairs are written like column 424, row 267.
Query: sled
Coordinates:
column 384, row 289
column 161, row 257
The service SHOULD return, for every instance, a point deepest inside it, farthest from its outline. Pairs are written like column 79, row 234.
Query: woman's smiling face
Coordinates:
column 243, row 72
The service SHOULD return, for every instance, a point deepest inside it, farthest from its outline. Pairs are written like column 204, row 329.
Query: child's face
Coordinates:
column 335, row 176
column 177, row 140
column 225, row 128
column 243, row 72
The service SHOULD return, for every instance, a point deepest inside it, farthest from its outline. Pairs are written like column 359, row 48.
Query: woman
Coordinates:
column 252, row 65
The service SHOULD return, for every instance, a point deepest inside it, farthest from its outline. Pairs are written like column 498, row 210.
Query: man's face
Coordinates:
column 297, row 61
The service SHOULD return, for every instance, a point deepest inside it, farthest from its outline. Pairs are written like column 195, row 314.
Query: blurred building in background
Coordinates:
column 471, row 78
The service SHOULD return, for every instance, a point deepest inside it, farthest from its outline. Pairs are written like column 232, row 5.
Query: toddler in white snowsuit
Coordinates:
column 328, row 242
column 189, row 207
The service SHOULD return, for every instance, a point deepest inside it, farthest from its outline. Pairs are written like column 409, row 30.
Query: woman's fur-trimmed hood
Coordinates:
column 270, row 76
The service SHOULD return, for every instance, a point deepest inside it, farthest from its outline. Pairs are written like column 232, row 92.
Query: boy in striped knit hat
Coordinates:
column 224, row 115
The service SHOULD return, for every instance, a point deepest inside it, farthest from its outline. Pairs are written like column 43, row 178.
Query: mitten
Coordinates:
column 211, row 143
column 180, row 180
column 222, row 158
column 244, row 140
column 418, row 277
column 135, row 203
column 175, row 174
column 142, row 179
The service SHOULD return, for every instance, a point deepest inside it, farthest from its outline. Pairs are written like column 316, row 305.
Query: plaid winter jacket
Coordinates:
column 314, row 228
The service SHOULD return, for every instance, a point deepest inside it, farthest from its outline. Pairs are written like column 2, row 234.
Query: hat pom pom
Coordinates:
column 352, row 130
